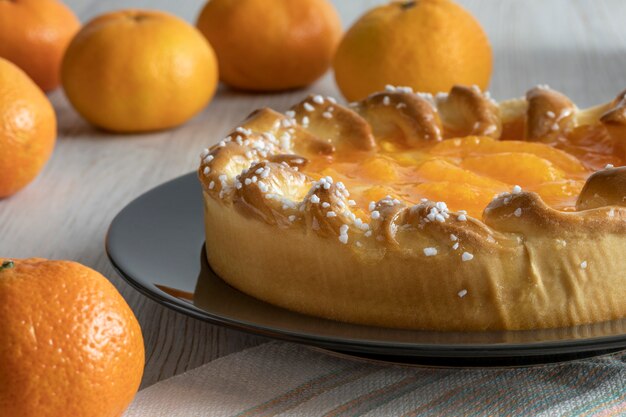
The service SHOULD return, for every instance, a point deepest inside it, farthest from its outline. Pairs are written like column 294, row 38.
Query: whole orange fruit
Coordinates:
column 428, row 45
column 268, row 46
column 139, row 70
column 27, row 129
column 69, row 343
column 34, row 35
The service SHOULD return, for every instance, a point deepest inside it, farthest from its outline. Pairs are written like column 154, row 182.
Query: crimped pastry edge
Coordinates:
column 534, row 283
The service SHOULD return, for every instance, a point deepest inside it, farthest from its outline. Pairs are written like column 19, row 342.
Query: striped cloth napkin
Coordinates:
column 282, row 379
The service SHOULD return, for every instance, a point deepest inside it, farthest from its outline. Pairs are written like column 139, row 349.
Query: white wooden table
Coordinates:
column 576, row 46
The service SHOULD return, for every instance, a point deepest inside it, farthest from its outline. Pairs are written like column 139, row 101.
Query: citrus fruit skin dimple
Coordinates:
column 27, row 129
column 270, row 46
column 429, row 45
column 69, row 343
column 34, row 35
column 139, row 70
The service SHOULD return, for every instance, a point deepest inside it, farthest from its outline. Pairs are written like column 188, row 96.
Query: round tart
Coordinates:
column 405, row 210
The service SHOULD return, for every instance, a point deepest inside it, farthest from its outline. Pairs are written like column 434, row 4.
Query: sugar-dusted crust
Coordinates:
column 278, row 235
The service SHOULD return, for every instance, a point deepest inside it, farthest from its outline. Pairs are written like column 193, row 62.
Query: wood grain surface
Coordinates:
column 575, row 46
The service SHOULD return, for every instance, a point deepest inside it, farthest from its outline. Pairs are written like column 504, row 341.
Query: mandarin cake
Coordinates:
column 405, row 210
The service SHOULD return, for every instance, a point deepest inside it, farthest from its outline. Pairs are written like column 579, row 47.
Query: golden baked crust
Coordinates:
column 280, row 231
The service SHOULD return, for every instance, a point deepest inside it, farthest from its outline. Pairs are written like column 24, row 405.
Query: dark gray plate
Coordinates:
column 156, row 244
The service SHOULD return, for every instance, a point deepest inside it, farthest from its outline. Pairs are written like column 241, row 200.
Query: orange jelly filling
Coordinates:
column 466, row 173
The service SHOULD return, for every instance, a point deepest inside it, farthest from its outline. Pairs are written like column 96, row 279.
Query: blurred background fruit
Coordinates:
column 270, row 46
column 139, row 70
column 72, row 347
column 27, row 129
column 428, row 45
column 34, row 35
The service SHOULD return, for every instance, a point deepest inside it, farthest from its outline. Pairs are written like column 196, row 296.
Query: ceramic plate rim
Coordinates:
column 469, row 350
